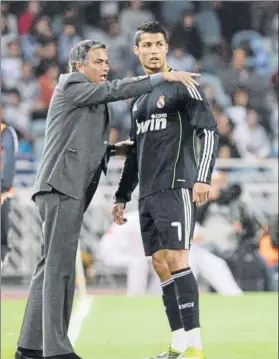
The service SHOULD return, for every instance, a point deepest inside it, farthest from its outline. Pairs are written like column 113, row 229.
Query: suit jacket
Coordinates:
column 77, row 131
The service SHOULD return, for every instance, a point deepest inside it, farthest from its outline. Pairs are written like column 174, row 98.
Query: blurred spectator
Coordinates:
column 274, row 112
column 225, row 152
column 71, row 13
column 227, row 146
column 10, row 19
column 28, row 85
column 171, row 10
column 260, row 56
column 42, row 28
column 47, row 83
column 233, row 16
column 208, row 24
column 186, row 36
column 238, row 74
column 215, row 58
column 216, row 93
column 6, row 36
column 67, row 40
column 262, row 13
column 120, row 121
column 219, row 213
column 275, row 83
column 121, row 247
column 27, row 18
column 213, row 99
column 47, row 51
column 132, row 17
column 210, row 95
column 118, row 48
column 179, row 60
column 16, row 112
column 241, row 74
column 40, row 34
column 274, row 34
column 11, row 65
column 109, row 9
column 237, row 112
column 251, row 138
column 8, row 152
column 269, row 247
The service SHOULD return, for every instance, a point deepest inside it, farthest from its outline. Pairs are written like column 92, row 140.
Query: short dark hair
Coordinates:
column 249, row 107
column 79, row 53
column 151, row 27
column 14, row 91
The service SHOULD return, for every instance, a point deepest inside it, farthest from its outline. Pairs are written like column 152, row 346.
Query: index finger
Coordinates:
column 194, row 82
column 195, row 197
column 193, row 74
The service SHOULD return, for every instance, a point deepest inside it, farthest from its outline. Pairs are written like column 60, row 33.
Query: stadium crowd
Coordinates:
column 233, row 44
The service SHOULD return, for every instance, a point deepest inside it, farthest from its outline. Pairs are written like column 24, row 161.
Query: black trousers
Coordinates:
column 5, row 208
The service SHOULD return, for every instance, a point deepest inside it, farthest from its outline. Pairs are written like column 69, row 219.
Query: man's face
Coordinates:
column 69, row 30
column 252, row 118
column 97, row 66
column 188, row 21
column 13, row 99
column 42, row 26
column 241, row 98
column 26, row 70
column 49, row 50
column 224, row 152
column 14, row 49
column 152, row 51
column 239, row 59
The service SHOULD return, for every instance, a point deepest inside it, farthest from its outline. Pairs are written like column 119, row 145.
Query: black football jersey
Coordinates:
column 175, row 141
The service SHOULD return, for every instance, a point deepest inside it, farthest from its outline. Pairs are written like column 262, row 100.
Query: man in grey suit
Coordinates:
column 75, row 153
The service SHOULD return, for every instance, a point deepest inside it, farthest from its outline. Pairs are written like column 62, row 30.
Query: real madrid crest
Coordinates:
column 161, row 102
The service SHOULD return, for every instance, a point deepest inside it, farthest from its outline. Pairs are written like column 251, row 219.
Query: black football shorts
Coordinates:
column 167, row 220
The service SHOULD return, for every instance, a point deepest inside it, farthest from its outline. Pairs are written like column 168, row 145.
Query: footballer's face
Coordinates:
column 152, row 52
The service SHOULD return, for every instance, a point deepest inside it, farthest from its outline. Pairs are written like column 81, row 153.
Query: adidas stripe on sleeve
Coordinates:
column 206, row 129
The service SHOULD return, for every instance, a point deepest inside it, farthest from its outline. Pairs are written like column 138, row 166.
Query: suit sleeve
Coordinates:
column 129, row 176
column 204, row 123
column 82, row 92
column 8, row 160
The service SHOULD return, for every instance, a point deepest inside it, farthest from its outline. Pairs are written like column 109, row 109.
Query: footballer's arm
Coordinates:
column 194, row 103
column 128, row 182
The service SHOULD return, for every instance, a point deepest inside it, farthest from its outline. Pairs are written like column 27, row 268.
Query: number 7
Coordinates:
column 179, row 229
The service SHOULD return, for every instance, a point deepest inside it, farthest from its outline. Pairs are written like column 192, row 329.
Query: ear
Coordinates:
column 136, row 50
column 79, row 67
column 167, row 48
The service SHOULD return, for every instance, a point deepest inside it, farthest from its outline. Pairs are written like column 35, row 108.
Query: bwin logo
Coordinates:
column 157, row 122
column 186, row 305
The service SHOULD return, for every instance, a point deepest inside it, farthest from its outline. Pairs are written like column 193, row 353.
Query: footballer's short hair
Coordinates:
column 151, row 27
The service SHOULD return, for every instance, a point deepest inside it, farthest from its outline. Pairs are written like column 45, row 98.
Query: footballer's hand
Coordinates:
column 124, row 144
column 201, row 193
column 180, row 76
column 120, row 147
column 118, row 213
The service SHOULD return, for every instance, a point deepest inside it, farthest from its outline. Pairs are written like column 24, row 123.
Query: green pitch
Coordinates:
column 133, row 328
